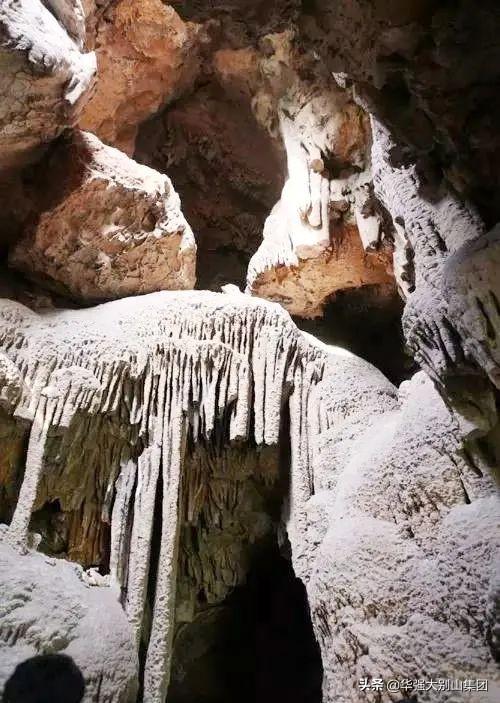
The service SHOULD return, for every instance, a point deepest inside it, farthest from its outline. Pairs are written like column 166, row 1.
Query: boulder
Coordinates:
column 146, row 56
column 48, row 606
column 45, row 79
column 107, row 227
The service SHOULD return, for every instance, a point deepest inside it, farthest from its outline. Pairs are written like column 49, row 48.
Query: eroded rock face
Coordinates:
column 228, row 171
column 146, row 56
column 225, row 518
column 398, row 515
column 107, row 227
column 166, row 439
column 44, row 80
column 203, row 363
column 325, row 234
column 428, row 71
column 72, row 15
column 304, row 285
column 446, row 237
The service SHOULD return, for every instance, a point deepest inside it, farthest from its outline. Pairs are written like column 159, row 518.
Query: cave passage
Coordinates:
column 369, row 325
column 258, row 645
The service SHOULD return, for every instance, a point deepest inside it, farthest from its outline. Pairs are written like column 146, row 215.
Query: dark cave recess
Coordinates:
column 368, row 325
column 257, row 647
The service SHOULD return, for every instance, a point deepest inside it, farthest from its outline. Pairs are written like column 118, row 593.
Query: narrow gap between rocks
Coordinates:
column 367, row 324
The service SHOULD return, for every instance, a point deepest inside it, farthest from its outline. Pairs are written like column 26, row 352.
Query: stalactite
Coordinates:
column 191, row 361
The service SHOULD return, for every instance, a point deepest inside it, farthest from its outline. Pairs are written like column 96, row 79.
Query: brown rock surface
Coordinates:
column 146, row 56
column 228, row 172
column 13, row 438
column 107, row 227
column 304, row 285
column 44, row 80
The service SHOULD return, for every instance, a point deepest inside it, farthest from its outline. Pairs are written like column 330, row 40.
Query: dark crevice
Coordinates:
column 369, row 325
column 259, row 644
column 152, row 578
column 255, row 643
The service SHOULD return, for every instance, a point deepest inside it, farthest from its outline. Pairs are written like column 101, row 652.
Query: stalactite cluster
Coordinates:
column 189, row 363
column 194, row 491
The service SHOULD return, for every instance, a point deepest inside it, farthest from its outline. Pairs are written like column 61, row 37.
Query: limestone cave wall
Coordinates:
column 249, row 362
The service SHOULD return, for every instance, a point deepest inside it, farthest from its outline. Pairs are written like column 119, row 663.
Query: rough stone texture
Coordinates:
column 398, row 562
column 224, row 515
column 13, row 438
column 49, row 606
column 384, row 504
column 429, row 75
column 227, row 170
column 146, row 56
column 316, row 236
column 446, row 238
column 241, row 22
column 16, row 206
column 147, row 369
column 304, row 285
column 44, row 80
column 72, row 15
column 141, row 436
column 430, row 72
column 276, row 97
column 133, row 237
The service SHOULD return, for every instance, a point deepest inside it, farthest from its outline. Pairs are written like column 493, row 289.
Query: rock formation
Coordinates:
column 167, row 366
column 107, row 227
column 412, row 64
column 404, row 512
column 52, row 605
column 147, row 56
column 316, row 236
column 45, row 79
column 198, row 500
column 227, row 183
column 188, row 365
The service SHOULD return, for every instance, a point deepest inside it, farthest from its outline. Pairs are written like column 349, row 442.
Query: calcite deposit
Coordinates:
column 200, row 501
column 164, row 366
column 50, row 605
column 326, row 233
column 107, row 226
column 45, row 78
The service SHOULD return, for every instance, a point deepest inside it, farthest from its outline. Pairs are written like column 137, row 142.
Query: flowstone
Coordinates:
column 378, row 483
